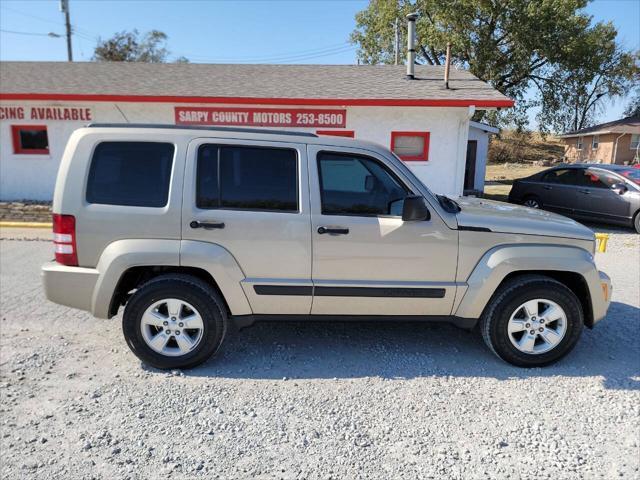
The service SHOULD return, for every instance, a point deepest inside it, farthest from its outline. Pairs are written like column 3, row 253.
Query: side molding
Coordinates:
column 222, row 266
column 500, row 261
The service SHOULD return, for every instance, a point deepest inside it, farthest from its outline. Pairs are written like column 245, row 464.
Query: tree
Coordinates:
column 133, row 47
column 512, row 44
column 633, row 107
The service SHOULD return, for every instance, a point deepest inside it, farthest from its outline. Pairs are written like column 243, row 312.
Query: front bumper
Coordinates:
column 601, row 299
column 69, row 286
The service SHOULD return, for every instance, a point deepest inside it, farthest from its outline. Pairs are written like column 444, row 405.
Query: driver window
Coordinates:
column 356, row 185
column 599, row 179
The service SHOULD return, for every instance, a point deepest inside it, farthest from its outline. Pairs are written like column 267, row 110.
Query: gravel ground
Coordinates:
column 292, row 400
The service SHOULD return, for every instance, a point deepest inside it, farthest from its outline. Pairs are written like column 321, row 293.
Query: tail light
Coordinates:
column 64, row 239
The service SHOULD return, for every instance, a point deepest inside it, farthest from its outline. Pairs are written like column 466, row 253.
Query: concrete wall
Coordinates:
column 33, row 177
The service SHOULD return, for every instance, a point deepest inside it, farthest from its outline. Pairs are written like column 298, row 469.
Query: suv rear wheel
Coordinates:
column 532, row 321
column 174, row 321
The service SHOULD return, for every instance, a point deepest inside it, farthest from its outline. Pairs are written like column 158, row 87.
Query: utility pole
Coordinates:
column 64, row 7
column 396, row 44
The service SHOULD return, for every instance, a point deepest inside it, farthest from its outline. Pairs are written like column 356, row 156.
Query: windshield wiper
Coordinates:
column 449, row 205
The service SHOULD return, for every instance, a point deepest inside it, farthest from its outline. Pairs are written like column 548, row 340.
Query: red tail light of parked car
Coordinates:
column 64, row 239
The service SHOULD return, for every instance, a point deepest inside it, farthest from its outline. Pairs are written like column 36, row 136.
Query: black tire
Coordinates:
column 189, row 289
column 495, row 318
column 636, row 222
column 532, row 198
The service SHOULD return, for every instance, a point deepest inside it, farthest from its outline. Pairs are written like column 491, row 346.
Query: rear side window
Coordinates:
column 134, row 174
column 247, row 178
column 569, row 176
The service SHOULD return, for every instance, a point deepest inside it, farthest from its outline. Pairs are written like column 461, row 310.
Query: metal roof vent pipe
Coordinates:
column 447, row 66
column 411, row 45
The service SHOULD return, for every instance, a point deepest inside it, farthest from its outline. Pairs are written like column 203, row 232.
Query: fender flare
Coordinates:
column 121, row 255
column 224, row 269
column 503, row 260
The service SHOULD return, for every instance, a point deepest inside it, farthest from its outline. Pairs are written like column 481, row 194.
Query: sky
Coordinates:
column 239, row 31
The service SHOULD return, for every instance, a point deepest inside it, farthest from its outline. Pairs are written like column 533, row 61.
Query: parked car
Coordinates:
column 598, row 193
column 192, row 230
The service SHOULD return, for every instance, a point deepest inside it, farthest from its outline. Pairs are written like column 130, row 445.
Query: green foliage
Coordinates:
column 633, row 107
column 133, row 47
column 514, row 45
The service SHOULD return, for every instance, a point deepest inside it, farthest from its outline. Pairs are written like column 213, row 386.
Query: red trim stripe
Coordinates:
column 365, row 102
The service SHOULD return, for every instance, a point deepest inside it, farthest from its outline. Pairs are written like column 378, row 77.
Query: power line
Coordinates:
column 294, row 53
column 284, row 57
column 76, row 30
column 34, row 34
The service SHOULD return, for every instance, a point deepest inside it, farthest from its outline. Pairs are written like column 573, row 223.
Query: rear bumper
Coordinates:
column 601, row 297
column 69, row 286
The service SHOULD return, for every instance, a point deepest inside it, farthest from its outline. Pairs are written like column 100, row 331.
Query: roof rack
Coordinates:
column 266, row 131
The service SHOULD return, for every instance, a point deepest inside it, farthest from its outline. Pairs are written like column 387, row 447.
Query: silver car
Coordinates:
column 597, row 193
column 189, row 231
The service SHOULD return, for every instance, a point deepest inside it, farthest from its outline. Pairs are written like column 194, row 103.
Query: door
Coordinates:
column 598, row 201
column 470, row 165
column 558, row 190
column 251, row 198
column 366, row 260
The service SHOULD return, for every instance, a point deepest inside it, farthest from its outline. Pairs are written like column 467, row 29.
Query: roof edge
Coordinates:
column 366, row 102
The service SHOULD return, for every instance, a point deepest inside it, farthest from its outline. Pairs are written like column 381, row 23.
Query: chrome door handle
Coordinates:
column 206, row 225
column 334, row 231
column 547, row 187
column 586, row 192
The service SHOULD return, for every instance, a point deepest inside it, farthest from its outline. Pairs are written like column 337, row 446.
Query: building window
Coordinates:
column 411, row 146
column 336, row 133
column 30, row 139
column 635, row 141
column 595, row 142
column 579, row 143
column 135, row 174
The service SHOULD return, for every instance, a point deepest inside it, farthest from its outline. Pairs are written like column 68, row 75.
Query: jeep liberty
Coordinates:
column 194, row 229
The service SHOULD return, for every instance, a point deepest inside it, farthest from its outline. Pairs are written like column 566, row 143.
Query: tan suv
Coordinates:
column 196, row 229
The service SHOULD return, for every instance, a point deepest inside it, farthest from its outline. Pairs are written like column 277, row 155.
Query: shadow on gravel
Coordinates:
column 317, row 350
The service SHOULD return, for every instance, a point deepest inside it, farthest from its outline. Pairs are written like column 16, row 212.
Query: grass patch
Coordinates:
column 497, row 192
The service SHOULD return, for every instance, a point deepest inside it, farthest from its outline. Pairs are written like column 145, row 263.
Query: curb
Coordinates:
column 26, row 225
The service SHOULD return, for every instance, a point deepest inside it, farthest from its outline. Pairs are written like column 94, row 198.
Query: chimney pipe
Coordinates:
column 447, row 65
column 411, row 45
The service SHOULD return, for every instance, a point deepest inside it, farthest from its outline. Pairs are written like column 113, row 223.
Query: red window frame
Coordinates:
column 337, row 133
column 17, row 146
column 423, row 157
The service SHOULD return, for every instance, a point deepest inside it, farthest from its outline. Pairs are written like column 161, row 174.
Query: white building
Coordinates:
column 427, row 125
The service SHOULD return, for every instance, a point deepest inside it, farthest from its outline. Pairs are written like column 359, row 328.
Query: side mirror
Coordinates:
column 415, row 209
column 619, row 188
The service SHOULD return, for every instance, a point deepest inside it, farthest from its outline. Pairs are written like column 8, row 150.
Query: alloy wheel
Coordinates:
column 172, row 327
column 537, row 326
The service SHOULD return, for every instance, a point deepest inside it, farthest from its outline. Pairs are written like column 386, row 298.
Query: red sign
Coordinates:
column 78, row 114
column 260, row 117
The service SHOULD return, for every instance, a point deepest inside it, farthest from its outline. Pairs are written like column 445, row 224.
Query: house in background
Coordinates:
column 476, row 161
column 613, row 142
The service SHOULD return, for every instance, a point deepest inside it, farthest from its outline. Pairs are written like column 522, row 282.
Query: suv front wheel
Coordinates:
column 174, row 321
column 532, row 321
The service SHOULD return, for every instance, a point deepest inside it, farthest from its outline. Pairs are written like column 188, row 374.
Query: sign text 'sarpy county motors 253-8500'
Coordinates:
column 261, row 117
